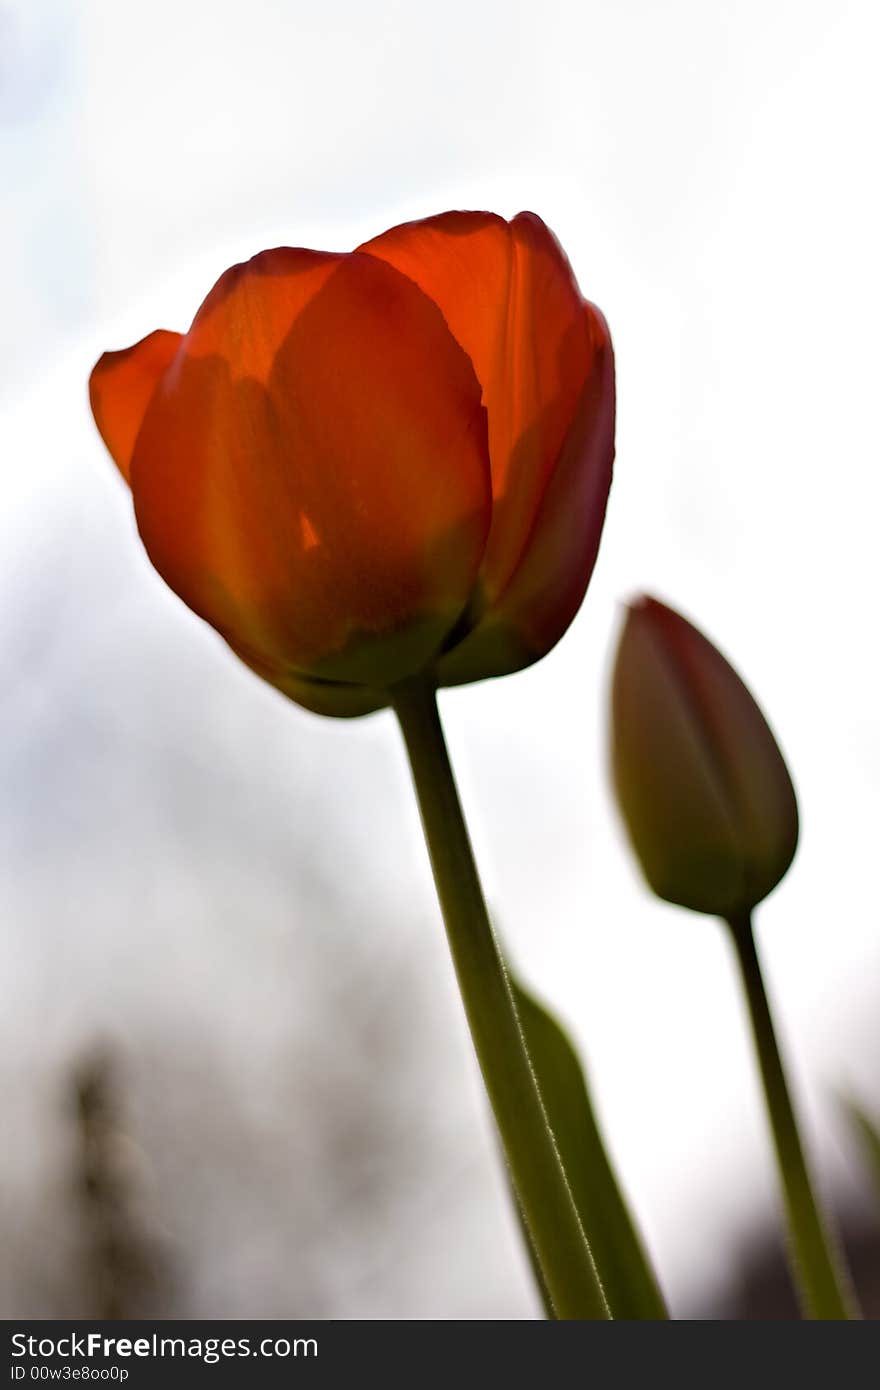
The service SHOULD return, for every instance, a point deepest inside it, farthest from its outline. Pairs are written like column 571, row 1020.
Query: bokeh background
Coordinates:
column 234, row 1073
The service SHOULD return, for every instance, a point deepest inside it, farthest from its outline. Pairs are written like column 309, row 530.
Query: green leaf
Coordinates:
column 867, row 1132
column 626, row 1275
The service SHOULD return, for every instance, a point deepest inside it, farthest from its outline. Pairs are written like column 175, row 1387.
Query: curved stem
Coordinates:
column 558, row 1240
column 823, row 1289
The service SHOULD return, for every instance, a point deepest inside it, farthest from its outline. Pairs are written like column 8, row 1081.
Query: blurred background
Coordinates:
column 235, row 1076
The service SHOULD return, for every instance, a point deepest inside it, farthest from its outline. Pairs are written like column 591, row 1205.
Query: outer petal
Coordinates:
column 543, row 357
column 547, row 588
column 121, row 387
column 700, row 779
column 312, row 473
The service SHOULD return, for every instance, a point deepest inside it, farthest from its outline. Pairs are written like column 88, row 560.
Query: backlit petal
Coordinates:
column 312, row 475
column 511, row 300
column 121, row 387
column 548, row 586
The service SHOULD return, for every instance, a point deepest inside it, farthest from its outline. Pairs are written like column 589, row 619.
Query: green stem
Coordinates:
column 823, row 1289
column 542, row 1190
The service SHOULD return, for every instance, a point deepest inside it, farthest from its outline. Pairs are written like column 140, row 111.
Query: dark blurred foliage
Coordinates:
column 169, row 1191
column 131, row 1222
column 93, row 1246
column 761, row 1287
column 123, row 1272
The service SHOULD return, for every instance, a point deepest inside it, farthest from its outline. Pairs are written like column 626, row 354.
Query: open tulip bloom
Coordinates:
column 368, row 467
column 375, row 474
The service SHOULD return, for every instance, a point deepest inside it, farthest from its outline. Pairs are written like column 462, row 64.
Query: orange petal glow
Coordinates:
column 312, row 474
column 510, row 299
column 121, row 387
column 548, row 586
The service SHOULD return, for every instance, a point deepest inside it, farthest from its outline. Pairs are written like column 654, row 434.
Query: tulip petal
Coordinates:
column 543, row 356
column 548, row 586
column 312, row 475
column 510, row 298
column 121, row 387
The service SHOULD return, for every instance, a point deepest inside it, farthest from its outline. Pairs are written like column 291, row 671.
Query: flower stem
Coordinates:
column 821, row 1283
column 557, row 1237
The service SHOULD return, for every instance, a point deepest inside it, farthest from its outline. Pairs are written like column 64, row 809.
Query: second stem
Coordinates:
column 821, row 1282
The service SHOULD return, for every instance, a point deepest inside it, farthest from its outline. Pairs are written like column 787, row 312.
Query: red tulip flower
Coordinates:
column 363, row 467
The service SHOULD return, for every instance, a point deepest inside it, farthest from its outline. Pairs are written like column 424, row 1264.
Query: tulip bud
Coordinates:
column 703, row 788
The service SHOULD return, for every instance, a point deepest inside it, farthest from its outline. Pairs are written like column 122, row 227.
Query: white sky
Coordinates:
column 711, row 172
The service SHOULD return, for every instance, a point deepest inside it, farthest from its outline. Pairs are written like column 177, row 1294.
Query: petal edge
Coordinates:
column 121, row 387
